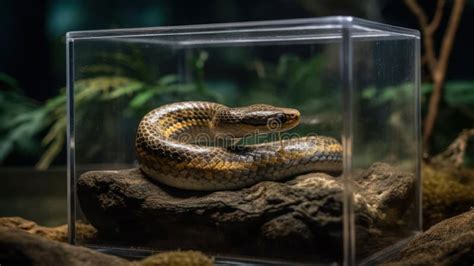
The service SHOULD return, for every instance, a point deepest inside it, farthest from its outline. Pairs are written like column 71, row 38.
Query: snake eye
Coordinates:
column 281, row 117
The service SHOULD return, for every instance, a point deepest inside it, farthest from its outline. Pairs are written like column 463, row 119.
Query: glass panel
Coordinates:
column 354, row 82
column 117, row 83
column 385, row 144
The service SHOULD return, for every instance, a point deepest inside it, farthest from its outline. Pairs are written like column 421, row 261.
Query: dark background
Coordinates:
column 32, row 32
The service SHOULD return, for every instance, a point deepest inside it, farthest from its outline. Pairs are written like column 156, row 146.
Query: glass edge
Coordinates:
column 345, row 21
column 71, row 178
column 418, row 136
column 385, row 27
column 346, row 54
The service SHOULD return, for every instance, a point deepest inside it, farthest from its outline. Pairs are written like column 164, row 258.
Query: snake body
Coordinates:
column 167, row 152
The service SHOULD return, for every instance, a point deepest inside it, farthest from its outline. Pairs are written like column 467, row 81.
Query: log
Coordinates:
column 297, row 219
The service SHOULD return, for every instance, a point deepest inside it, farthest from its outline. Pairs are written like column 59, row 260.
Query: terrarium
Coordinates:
column 274, row 142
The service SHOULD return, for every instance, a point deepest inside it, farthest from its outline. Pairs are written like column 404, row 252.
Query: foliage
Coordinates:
column 457, row 110
column 88, row 91
column 20, row 120
column 307, row 83
column 458, row 93
column 290, row 81
column 24, row 120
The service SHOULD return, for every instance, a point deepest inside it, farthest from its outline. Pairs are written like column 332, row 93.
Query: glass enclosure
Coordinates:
column 355, row 83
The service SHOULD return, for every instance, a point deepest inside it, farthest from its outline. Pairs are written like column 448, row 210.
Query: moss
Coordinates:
column 58, row 233
column 447, row 191
column 178, row 258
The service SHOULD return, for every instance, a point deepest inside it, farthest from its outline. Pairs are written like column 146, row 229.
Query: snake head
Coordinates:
column 255, row 119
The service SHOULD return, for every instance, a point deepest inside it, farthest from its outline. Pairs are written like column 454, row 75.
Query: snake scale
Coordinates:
column 167, row 151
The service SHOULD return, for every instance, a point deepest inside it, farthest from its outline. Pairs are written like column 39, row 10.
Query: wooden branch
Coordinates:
column 433, row 26
column 449, row 36
column 439, row 73
column 424, row 60
column 437, row 66
column 418, row 12
column 428, row 42
column 454, row 154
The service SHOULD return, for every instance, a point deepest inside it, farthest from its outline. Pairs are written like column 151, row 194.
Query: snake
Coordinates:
column 169, row 146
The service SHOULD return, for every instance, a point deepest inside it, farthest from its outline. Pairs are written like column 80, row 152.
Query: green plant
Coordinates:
column 20, row 120
column 24, row 119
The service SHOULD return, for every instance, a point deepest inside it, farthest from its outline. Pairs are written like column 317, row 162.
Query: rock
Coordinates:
column 450, row 242
column 447, row 192
column 59, row 233
column 20, row 248
column 289, row 219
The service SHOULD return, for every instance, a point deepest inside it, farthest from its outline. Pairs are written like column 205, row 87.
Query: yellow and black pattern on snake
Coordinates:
column 166, row 151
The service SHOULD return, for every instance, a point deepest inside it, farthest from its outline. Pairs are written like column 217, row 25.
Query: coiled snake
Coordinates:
column 167, row 151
